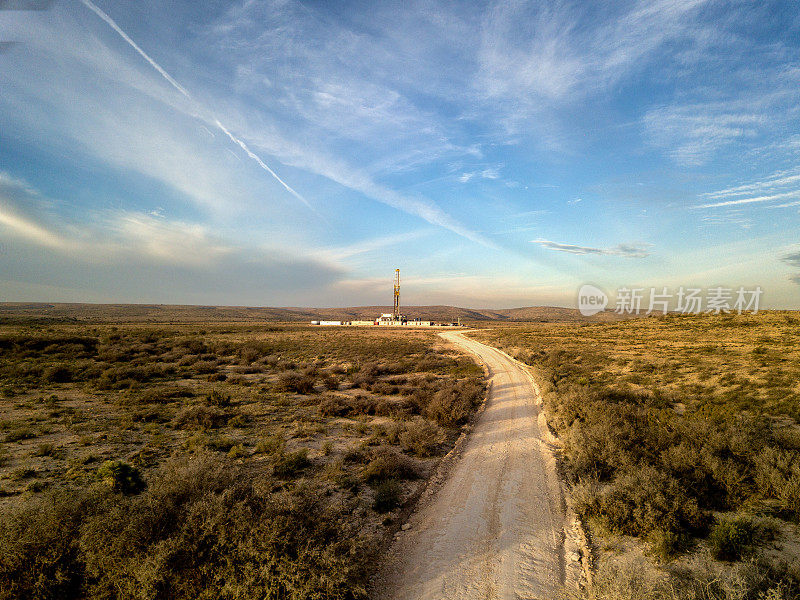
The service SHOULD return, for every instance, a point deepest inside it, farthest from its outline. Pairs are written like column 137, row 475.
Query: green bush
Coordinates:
column 121, row 477
column 733, row 536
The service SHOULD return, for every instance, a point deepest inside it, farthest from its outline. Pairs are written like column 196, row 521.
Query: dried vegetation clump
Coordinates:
column 679, row 431
column 214, row 460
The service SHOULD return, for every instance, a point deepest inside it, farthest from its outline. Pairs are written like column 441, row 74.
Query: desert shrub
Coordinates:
column 163, row 395
column 389, row 464
column 41, row 557
column 385, row 388
column 778, row 476
column 188, row 360
column 733, row 536
column 199, row 417
column 789, row 495
column 329, row 380
column 355, row 454
column 204, row 532
column 252, row 351
column 646, row 500
column 453, row 406
column 290, row 464
column 20, row 432
column 388, row 494
column 334, row 406
column 239, row 421
column 201, row 530
column 23, row 473
column 420, row 437
column 205, row 367
column 58, row 374
column 220, row 443
column 630, row 579
column 237, row 451
column 125, row 376
column 217, row 398
column 664, row 545
column 121, row 477
column 361, row 404
column 51, row 450
column 294, row 382
column 271, row 445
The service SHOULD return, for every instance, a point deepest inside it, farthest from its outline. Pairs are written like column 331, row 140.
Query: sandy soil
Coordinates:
column 495, row 528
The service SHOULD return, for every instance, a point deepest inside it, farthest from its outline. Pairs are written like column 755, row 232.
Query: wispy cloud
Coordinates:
column 535, row 55
column 693, row 134
column 782, row 185
column 491, row 173
column 369, row 245
column 728, row 218
column 183, row 91
column 623, row 250
column 776, row 180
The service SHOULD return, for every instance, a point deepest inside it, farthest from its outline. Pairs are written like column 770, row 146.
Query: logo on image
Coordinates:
column 591, row 300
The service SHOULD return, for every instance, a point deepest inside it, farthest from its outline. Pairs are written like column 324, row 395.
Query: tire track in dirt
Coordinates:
column 495, row 527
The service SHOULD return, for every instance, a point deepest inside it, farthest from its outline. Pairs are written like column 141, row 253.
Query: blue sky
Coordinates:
column 295, row 153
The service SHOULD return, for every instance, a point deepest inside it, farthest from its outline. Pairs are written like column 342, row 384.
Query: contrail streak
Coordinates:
column 111, row 23
column 260, row 162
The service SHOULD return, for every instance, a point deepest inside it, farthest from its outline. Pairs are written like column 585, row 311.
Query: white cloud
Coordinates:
column 776, row 180
column 536, row 56
column 623, row 250
column 781, row 185
column 693, row 134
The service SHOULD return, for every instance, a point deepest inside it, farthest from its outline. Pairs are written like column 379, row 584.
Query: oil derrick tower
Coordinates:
column 396, row 311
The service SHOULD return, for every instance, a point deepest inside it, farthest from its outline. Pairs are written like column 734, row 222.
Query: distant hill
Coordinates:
column 160, row 313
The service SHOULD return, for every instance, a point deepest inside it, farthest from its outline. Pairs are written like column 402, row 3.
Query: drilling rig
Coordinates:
column 396, row 311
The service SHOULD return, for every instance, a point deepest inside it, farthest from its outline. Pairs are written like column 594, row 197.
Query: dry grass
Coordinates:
column 345, row 423
column 679, row 431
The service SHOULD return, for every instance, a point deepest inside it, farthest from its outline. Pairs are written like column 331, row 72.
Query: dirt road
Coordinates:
column 495, row 529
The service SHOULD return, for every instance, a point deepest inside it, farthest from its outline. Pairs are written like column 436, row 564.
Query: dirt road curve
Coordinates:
column 495, row 528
